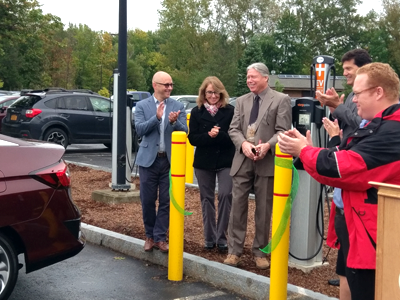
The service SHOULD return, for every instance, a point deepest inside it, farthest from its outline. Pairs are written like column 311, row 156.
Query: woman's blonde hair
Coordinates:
column 218, row 87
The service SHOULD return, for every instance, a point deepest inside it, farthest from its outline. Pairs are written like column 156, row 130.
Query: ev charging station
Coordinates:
column 305, row 239
column 118, row 161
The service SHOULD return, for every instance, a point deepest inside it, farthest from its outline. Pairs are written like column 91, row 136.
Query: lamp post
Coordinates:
column 120, row 110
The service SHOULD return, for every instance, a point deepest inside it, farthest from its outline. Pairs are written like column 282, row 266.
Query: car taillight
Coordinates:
column 54, row 176
column 30, row 113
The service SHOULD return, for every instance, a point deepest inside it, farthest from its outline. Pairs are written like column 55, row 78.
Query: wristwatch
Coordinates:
column 172, row 123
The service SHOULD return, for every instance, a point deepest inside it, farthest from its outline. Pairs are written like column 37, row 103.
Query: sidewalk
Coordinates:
column 235, row 279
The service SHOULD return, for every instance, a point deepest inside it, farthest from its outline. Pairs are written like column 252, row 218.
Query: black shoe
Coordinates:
column 209, row 246
column 222, row 248
column 335, row 282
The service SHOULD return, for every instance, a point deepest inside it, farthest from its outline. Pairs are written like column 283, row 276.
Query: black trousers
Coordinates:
column 343, row 237
column 361, row 281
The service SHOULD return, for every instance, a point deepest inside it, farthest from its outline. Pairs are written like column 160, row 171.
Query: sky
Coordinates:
column 103, row 14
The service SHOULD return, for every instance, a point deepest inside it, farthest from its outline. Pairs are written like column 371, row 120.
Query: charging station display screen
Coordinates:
column 304, row 119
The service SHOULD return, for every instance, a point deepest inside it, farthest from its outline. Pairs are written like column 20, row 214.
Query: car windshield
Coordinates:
column 135, row 97
column 26, row 101
column 191, row 105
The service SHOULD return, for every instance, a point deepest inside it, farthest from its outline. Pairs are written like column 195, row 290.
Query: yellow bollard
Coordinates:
column 189, row 157
column 280, row 256
column 176, row 219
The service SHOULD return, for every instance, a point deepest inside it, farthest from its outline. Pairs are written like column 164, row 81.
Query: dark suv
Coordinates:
column 136, row 96
column 61, row 116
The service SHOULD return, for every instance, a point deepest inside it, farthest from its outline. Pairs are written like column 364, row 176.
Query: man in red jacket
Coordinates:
column 369, row 154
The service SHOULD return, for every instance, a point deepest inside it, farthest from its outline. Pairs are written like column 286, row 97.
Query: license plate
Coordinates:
column 13, row 117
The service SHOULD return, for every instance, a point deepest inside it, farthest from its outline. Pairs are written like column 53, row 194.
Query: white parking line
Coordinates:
column 203, row 296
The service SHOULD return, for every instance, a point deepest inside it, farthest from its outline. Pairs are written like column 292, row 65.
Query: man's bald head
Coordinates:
column 160, row 75
column 163, row 85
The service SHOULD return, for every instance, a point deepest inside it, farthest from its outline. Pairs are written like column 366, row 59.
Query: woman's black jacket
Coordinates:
column 211, row 153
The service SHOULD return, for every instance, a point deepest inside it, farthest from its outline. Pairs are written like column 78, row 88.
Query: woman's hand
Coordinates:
column 214, row 131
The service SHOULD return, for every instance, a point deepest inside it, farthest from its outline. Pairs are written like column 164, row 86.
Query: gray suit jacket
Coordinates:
column 148, row 127
column 274, row 116
column 346, row 114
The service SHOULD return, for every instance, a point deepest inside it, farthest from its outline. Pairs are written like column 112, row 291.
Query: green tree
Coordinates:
column 87, row 57
column 24, row 32
column 391, row 22
column 104, row 92
column 243, row 19
column 251, row 55
column 327, row 25
column 290, row 53
column 279, row 86
column 140, row 50
column 192, row 46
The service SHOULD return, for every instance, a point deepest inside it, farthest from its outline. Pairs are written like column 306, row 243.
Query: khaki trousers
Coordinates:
column 243, row 181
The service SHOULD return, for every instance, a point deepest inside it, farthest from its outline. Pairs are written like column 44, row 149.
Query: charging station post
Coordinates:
column 307, row 211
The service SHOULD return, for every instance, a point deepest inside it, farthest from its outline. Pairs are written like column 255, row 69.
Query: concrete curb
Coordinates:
column 234, row 279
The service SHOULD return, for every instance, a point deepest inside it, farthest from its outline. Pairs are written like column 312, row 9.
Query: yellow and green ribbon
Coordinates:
column 276, row 238
column 173, row 200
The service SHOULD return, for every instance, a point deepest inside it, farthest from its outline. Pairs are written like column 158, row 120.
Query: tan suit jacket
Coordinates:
column 275, row 115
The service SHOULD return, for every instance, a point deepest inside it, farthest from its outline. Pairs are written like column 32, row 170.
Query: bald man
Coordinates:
column 155, row 119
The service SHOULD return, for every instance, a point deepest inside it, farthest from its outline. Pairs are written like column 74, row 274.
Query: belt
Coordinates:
column 161, row 154
column 340, row 211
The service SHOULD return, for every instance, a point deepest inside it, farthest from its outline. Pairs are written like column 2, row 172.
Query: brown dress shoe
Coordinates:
column 261, row 263
column 232, row 260
column 162, row 246
column 148, row 244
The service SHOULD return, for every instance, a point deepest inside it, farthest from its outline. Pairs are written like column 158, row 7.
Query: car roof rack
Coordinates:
column 54, row 90
column 58, row 90
column 41, row 91
column 25, row 91
column 82, row 91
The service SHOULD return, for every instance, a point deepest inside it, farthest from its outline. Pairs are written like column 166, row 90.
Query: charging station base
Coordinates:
column 308, row 268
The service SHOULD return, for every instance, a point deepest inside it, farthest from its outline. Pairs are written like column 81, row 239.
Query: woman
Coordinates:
column 208, row 132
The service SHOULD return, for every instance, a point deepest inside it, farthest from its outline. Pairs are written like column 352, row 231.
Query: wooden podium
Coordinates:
column 387, row 281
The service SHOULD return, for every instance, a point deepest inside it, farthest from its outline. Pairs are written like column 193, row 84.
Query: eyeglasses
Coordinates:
column 210, row 93
column 166, row 85
column 358, row 94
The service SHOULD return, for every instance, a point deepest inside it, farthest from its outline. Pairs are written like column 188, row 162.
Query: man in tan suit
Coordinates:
column 259, row 116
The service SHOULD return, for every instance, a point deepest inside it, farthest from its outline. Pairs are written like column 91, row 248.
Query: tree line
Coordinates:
column 194, row 39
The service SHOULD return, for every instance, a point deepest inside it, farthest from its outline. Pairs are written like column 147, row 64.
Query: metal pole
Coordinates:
column 122, row 103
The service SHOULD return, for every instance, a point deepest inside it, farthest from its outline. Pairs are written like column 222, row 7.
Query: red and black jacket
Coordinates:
column 371, row 153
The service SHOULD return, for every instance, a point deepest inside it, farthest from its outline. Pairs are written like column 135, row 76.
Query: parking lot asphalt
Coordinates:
column 233, row 279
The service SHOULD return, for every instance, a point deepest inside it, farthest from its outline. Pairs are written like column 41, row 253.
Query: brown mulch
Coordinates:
column 126, row 218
